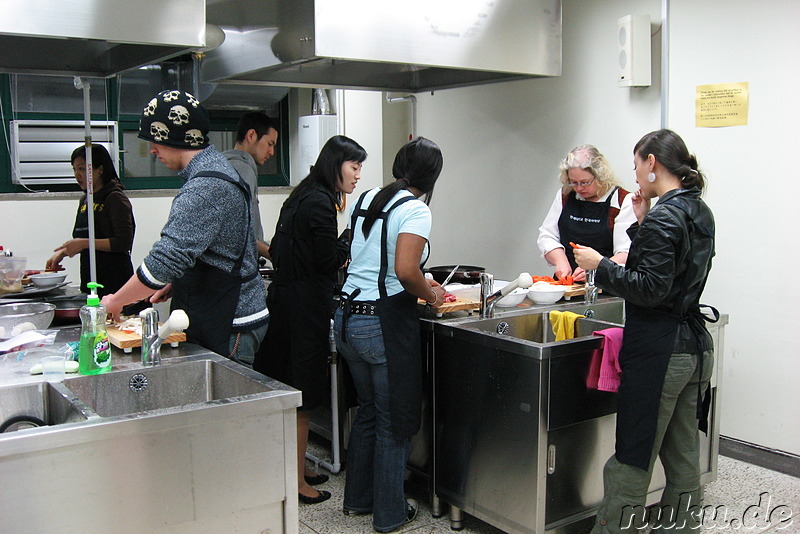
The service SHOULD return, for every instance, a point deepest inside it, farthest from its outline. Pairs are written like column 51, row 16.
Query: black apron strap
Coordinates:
column 210, row 295
column 703, row 400
column 237, row 266
column 347, row 301
column 357, row 212
column 384, row 249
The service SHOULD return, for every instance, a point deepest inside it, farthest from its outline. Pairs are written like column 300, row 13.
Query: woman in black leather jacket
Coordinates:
column 667, row 352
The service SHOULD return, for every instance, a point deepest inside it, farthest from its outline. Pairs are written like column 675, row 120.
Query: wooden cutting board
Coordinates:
column 126, row 340
column 458, row 305
column 574, row 290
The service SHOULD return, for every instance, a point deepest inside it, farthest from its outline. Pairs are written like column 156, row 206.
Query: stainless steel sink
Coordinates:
column 534, row 324
column 164, row 444
column 38, row 404
column 179, row 385
column 610, row 310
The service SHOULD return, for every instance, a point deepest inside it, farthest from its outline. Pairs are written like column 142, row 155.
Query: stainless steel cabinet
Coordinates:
column 519, row 441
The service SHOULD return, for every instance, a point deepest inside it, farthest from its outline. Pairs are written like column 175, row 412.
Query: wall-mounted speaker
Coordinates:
column 633, row 38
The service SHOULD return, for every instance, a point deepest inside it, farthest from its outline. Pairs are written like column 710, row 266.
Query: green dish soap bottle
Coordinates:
column 94, row 350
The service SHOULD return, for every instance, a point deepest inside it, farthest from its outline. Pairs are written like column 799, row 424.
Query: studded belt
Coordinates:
column 359, row 307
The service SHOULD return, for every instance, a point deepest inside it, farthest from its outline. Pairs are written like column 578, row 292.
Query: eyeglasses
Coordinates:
column 581, row 184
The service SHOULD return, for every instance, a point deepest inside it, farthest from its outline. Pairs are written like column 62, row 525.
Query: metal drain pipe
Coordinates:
column 413, row 100
column 336, row 464
column 664, row 63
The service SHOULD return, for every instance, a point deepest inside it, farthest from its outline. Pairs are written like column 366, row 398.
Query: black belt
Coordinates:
column 359, row 307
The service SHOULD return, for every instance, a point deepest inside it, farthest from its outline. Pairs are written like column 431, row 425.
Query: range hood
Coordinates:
column 419, row 45
column 96, row 38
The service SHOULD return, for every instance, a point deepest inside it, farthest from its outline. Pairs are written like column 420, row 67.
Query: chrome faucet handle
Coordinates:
column 151, row 344
column 489, row 299
column 487, row 285
column 590, row 296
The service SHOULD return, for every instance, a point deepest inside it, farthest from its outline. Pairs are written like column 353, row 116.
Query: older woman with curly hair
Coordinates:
column 590, row 208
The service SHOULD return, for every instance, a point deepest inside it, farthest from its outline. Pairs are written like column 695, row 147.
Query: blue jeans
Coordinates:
column 248, row 343
column 376, row 459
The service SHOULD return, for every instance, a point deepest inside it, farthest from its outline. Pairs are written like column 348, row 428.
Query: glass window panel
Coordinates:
column 34, row 93
column 140, row 163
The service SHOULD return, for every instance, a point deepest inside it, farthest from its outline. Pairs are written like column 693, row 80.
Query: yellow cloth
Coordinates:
column 563, row 324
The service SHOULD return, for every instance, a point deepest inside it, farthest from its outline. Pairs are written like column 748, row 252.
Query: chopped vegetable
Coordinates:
column 567, row 281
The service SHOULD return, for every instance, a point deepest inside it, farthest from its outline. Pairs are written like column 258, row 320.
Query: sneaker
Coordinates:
column 411, row 514
column 411, row 510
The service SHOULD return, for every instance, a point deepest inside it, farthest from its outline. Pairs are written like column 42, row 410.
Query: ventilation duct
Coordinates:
column 96, row 38
column 417, row 46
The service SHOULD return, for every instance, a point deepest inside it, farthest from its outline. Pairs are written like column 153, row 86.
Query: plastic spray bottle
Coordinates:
column 94, row 351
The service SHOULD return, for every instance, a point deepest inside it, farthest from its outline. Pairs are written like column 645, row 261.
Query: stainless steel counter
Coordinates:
column 197, row 444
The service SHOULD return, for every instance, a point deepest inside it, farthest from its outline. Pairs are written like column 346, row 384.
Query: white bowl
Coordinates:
column 45, row 280
column 513, row 299
column 546, row 293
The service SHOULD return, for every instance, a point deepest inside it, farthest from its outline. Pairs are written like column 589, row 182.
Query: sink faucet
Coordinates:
column 151, row 343
column 489, row 299
column 153, row 336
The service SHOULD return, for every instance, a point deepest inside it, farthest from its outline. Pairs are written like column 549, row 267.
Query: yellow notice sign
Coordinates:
column 721, row 104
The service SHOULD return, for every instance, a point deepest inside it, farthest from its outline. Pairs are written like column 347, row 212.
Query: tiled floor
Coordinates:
column 737, row 489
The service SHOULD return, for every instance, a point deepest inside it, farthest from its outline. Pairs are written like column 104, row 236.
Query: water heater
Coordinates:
column 312, row 133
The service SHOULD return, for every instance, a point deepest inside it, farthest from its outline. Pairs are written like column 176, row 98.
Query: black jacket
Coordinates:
column 668, row 264
column 305, row 244
column 306, row 254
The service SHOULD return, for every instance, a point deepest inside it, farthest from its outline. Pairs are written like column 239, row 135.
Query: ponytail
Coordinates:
column 417, row 164
column 691, row 176
column 379, row 202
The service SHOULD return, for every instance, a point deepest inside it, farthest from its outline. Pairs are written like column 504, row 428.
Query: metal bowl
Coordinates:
column 19, row 317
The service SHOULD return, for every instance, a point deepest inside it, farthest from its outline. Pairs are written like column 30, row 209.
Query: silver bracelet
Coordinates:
column 435, row 297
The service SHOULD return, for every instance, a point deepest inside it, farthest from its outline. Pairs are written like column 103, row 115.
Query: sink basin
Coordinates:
column 530, row 327
column 167, row 386
column 610, row 310
column 32, row 405
column 159, row 450
column 536, row 327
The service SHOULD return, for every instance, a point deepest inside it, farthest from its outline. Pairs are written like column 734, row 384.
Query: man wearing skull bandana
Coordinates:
column 206, row 258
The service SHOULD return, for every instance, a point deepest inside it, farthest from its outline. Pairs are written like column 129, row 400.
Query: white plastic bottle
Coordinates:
column 94, row 350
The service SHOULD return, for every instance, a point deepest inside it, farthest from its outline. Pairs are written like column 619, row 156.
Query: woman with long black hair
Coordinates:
column 306, row 254
column 377, row 331
column 667, row 352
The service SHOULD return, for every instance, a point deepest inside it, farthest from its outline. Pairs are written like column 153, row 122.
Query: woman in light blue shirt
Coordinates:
column 377, row 332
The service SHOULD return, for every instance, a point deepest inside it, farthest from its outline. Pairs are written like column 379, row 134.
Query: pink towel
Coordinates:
column 604, row 367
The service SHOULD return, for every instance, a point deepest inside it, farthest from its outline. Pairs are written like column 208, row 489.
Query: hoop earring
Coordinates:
column 651, row 177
